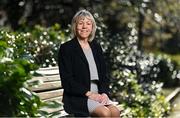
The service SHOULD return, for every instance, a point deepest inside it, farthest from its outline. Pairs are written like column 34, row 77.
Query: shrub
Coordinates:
column 138, row 100
column 15, row 98
column 38, row 45
column 133, row 73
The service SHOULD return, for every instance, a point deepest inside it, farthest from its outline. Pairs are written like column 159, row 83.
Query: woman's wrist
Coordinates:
column 88, row 93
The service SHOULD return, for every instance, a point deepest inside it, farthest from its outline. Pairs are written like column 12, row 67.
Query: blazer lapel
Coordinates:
column 79, row 51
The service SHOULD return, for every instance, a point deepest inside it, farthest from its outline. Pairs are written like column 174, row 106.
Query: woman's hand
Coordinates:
column 104, row 98
column 93, row 96
column 101, row 98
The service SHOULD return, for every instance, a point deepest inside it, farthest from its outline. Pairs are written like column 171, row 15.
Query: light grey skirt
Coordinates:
column 92, row 104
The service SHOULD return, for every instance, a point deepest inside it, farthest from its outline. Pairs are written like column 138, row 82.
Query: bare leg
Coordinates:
column 115, row 112
column 101, row 111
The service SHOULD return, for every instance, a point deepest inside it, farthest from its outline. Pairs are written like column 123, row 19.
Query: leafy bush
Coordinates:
column 138, row 99
column 15, row 98
column 172, row 46
column 39, row 45
column 17, row 58
column 133, row 73
column 46, row 42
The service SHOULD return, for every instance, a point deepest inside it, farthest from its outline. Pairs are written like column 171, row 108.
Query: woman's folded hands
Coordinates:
column 101, row 98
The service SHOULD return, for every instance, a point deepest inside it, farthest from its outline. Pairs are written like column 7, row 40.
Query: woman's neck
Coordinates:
column 82, row 40
column 84, row 43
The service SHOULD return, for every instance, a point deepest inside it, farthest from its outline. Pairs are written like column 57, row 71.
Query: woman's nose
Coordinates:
column 84, row 25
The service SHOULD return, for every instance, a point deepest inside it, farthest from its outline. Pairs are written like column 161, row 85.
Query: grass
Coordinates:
column 175, row 57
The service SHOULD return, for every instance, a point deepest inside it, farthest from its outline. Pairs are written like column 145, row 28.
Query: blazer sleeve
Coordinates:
column 104, row 83
column 69, row 84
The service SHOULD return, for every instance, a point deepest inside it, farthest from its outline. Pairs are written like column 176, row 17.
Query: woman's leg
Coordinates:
column 115, row 112
column 106, row 111
column 101, row 111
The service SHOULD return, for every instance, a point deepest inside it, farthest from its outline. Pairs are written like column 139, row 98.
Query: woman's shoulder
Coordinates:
column 96, row 44
column 67, row 44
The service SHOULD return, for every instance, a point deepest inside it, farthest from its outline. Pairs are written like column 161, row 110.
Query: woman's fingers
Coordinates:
column 104, row 98
column 101, row 98
column 95, row 96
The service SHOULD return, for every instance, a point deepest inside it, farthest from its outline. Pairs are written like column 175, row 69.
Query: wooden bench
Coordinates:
column 49, row 89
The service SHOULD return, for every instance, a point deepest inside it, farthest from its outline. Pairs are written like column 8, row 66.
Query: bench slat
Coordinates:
column 48, row 72
column 50, row 94
column 46, row 78
column 46, row 86
column 50, row 110
column 60, row 110
column 57, row 99
column 49, row 68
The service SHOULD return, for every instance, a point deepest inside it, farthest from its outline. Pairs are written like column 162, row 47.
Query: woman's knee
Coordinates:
column 114, row 111
column 102, row 111
column 106, row 113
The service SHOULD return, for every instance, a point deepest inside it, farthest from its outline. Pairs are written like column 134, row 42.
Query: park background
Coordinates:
column 140, row 40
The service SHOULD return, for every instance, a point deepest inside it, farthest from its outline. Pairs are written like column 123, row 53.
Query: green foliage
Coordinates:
column 38, row 45
column 15, row 98
column 138, row 100
column 137, row 77
column 18, row 57
column 46, row 42
column 168, row 72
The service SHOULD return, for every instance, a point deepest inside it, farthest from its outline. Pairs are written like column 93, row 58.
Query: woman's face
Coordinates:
column 84, row 28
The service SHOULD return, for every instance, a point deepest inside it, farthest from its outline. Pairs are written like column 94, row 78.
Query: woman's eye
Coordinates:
column 88, row 23
column 80, row 23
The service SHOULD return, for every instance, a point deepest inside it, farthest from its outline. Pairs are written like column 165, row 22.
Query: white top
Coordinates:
column 92, row 65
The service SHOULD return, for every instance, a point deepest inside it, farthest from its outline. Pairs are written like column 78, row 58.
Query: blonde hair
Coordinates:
column 81, row 14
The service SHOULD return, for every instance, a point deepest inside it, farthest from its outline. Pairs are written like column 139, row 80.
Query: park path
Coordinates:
column 175, row 108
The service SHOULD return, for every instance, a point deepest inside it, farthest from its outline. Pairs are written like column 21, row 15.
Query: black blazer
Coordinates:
column 75, row 75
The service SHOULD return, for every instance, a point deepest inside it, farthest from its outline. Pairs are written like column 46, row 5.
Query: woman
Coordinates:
column 82, row 71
